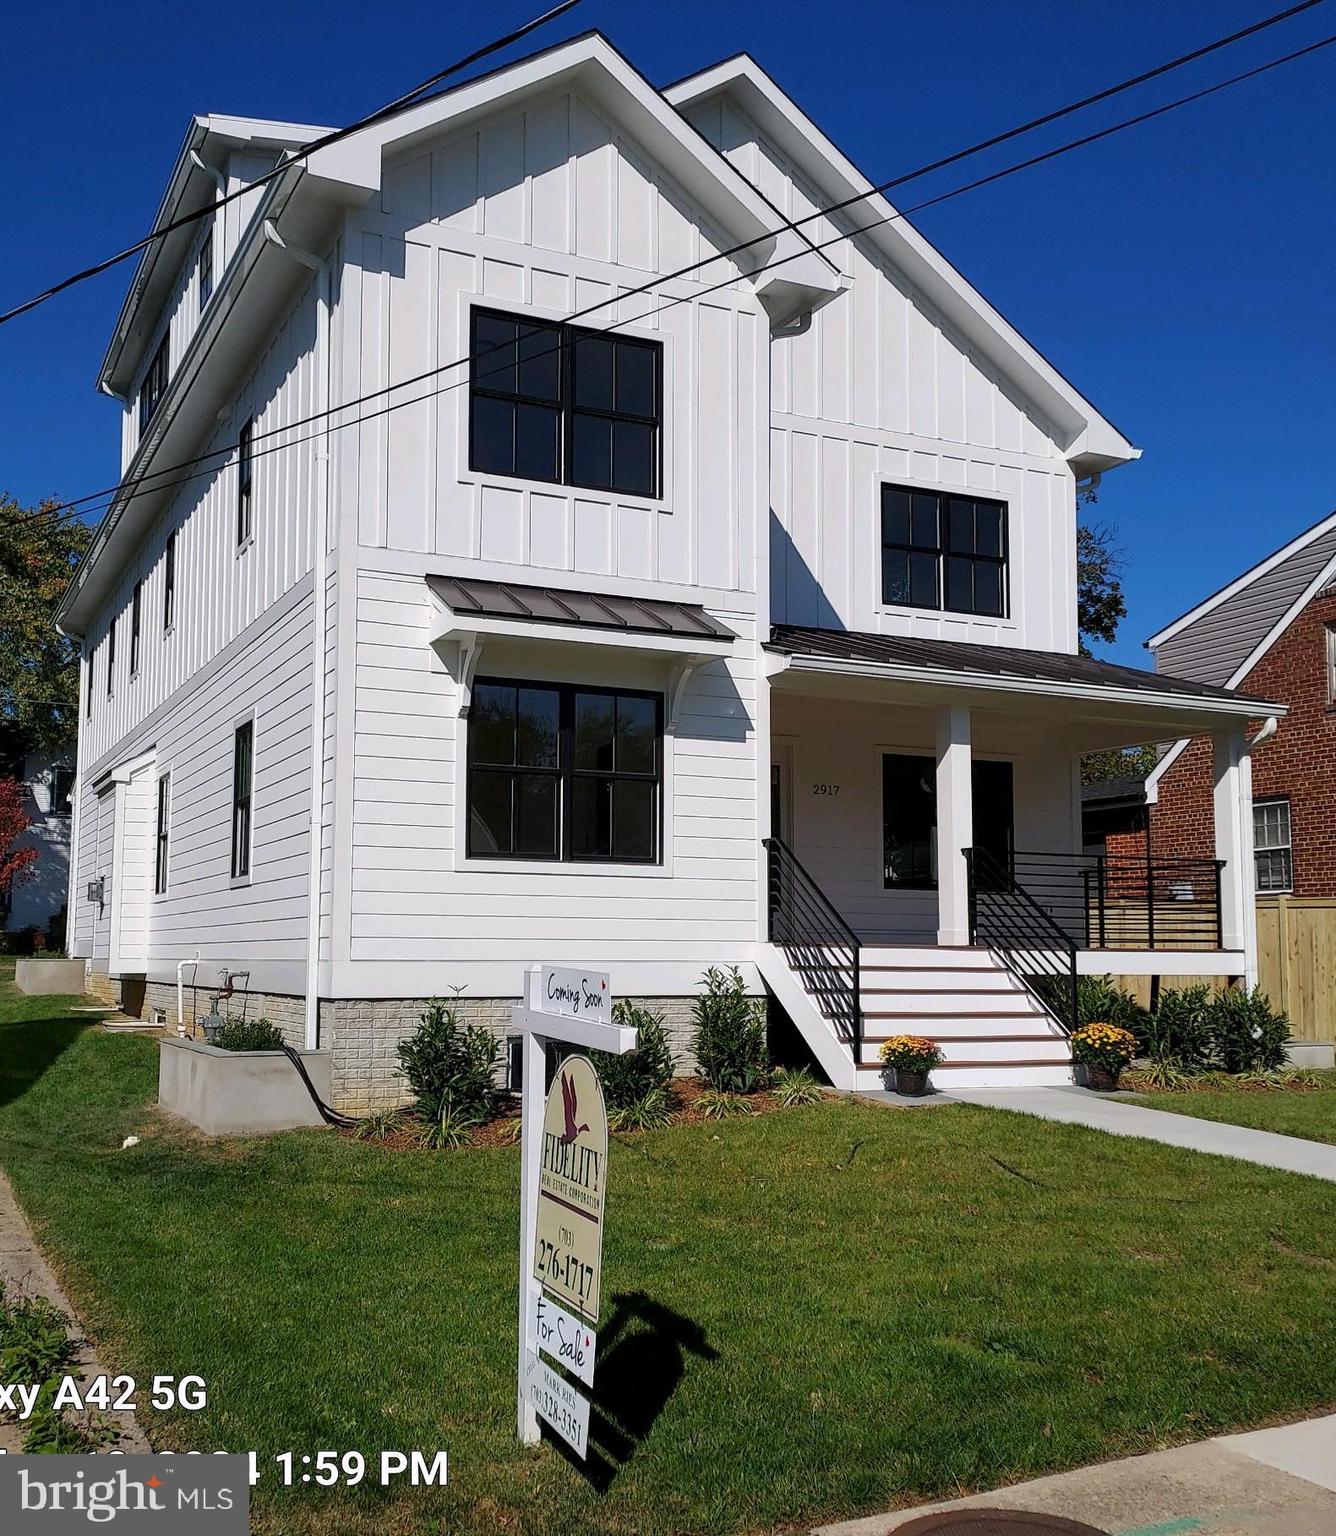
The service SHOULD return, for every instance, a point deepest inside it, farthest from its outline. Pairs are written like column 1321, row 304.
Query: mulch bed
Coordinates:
column 500, row 1131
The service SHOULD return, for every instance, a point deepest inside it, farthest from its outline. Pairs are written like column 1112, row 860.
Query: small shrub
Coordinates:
column 510, row 1131
column 1161, row 1075
column 380, row 1125
column 729, row 1038
column 1245, row 1031
column 450, row 1067
column 630, row 1079
column 795, row 1086
column 1177, row 1031
column 248, row 1035
column 1099, row 1001
column 1104, row 1045
column 910, row 1053
column 651, row 1112
column 717, row 1104
column 445, row 1130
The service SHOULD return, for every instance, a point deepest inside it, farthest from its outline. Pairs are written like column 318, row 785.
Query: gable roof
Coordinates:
column 1092, row 443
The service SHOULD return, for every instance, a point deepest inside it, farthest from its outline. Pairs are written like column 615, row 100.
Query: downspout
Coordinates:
column 319, row 619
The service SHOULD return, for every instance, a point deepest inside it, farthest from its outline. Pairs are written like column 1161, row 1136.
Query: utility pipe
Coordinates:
column 319, row 603
column 181, row 992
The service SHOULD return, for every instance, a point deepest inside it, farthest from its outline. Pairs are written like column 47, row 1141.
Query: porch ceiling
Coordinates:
column 1088, row 704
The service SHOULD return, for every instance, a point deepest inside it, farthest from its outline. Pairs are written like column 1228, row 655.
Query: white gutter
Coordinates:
column 319, row 604
column 942, row 677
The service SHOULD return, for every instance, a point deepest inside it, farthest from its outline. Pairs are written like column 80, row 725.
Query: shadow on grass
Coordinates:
column 642, row 1358
column 29, row 1047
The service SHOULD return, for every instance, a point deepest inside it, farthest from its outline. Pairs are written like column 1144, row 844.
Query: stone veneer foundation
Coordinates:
column 362, row 1034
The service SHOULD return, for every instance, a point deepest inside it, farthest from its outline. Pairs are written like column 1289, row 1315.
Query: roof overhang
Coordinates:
column 1090, row 442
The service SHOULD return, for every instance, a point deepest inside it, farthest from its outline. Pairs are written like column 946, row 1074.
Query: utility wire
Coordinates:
column 658, row 281
column 67, row 510
column 409, row 98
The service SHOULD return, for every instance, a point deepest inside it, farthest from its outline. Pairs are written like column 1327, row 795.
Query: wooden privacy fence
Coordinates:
column 1296, row 964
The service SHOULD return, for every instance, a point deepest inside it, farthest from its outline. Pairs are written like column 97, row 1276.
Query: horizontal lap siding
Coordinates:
column 414, row 897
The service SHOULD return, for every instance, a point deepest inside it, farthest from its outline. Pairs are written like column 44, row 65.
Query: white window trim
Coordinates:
column 1285, row 847
column 1331, row 665
column 238, row 882
column 161, row 895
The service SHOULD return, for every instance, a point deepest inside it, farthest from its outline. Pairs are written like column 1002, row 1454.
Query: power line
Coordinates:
column 658, row 281
column 324, row 142
column 65, row 511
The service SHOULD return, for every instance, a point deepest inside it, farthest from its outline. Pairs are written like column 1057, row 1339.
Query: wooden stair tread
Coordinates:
column 956, row 1066
column 967, row 1039
column 954, row 1013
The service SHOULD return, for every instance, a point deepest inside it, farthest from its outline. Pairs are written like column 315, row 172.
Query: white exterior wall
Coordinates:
column 879, row 390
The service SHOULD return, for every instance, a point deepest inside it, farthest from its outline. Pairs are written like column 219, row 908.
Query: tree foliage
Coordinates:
column 39, row 671
column 16, row 864
column 1118, row 763
column 1100, row 606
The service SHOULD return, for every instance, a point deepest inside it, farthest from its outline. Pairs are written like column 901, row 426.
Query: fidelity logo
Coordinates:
column 57, row 1495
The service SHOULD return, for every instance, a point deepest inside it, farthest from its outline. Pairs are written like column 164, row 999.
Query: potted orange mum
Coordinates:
column 911, row 1058
column 1103, row 1050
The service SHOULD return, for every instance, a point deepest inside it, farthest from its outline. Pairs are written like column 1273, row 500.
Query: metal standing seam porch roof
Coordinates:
column 562, row 605
column 995, row 662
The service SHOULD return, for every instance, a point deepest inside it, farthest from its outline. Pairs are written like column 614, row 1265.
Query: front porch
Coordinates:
column 921, row 813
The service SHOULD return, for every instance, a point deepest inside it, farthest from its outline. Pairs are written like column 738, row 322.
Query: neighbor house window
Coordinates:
column 245, row 481
column 909, row 817
column 160, row 845
column 169, row 582
column 111, row 655
column 557, row 403
column 62, row 788
column 243, row 765
column 206, row 270
column 136, row 602
column 154, row 386
column 1271, row 845
column 563, row 772
column 1331, row 663
column 943, row 550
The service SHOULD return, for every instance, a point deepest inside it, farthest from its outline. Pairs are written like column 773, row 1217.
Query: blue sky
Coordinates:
column 1180, row 274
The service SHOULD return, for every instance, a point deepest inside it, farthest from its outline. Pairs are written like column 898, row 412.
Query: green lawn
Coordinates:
column 1289, row 1113
column 813, row 1313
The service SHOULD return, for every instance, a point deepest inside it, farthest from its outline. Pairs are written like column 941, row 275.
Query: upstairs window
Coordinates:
column 169, row 582
column 1331, row 663
column 154, row 386
column 136, row 602
column 570, row 406
column 243, row 766
column 1271, row 845
column 160, row 840
column 205, row 270
column 944, row 551
column 88, row 704
column 245, row 477
column 111, row 655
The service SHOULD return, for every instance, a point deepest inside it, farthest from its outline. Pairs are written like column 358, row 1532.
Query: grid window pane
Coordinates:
column 595, row 730
column 960, row 585
column 489, row 812
column 492, row 724
column 537, row 725
column 634, row 818
column 960, row 526
column 537, row 442
column 988, row 589
column 591, row 451
column 591, row 372
column 894, row 515
column 923, row 581
column 988, row 528
column 633, row 457
column 591, row 819
column 637, row 735
column 923, row 521
column 538, row 362
column 637, row 379
column 535, row 810
column 493, row 352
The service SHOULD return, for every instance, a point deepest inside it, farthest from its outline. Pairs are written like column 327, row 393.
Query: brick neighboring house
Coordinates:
column 1270, row 633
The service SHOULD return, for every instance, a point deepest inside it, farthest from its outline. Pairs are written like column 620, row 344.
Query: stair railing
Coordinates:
column 1032, row 945
column 821, row 948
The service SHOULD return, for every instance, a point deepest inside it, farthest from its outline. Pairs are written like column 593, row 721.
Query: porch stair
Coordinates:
column 991, row 1030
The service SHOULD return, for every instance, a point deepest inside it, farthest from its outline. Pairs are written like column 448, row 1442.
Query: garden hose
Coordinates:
column 330, row 1116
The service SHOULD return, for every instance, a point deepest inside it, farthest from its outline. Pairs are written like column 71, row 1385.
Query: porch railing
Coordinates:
column 821, row 948
column 1113, row 902
column 1036, row 950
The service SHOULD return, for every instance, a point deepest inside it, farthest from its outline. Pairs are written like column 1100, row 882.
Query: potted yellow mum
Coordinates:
column 911, row 1058
column 1103, row 1050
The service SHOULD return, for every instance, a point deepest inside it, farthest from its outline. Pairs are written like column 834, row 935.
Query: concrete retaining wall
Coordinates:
column 50, row 978
column 239, row 1093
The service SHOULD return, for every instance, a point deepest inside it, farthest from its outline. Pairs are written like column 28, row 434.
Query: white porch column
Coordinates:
column 1234, row 845
column 955, row 824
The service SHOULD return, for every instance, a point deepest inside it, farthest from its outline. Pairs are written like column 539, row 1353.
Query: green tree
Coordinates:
column 1100, row 606
column 39, row 671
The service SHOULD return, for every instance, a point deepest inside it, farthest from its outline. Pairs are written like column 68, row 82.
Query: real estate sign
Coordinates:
column 567, row 993
column 572, row 1183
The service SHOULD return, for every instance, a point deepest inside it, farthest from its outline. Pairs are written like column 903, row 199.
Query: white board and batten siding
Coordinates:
column 878, row 389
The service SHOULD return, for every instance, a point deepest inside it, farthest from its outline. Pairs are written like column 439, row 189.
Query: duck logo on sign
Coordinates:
column 572, row 1183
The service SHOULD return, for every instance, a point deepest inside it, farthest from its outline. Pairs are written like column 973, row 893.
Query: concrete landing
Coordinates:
column 1079, row 1106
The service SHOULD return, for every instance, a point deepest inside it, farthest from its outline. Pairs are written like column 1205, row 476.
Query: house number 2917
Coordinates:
column 826, row 789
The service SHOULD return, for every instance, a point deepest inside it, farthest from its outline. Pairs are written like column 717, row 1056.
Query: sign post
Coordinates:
column 563, row 1172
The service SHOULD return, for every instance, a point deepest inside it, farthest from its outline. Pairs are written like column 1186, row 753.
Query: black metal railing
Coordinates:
column 821, row 948
column 1113, row 902
column 1036, row 950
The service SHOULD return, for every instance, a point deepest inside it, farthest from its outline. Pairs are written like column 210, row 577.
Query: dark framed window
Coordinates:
column 136, row 605
column 88, row 706
column 62, row 789
column 169, row 582
column 1273, row 848
column 245, row 481
column 566, row 405
column 243, row 768
column 205, row 269
column 943, row 550
column 909, row 817
column 154, row 386
column 160, row 842
column 111, row 655
column 565, row 772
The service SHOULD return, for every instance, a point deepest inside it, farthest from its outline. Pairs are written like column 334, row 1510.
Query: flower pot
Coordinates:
column 1101, row 1079
column 912, row 1084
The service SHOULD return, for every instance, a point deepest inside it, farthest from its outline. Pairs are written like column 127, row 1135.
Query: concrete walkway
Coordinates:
column 1079, row 1106
column 1274, row 1482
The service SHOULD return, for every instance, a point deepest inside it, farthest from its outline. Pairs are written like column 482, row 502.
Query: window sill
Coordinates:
column 247, row 543
column 561, row 867
column 239, row 882
column 660, row 503
column 908, row 611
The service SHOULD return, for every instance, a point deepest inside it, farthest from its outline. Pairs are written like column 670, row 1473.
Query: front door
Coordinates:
column 909, row 817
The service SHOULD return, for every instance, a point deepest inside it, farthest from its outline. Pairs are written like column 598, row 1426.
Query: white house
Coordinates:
column 569, row 560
